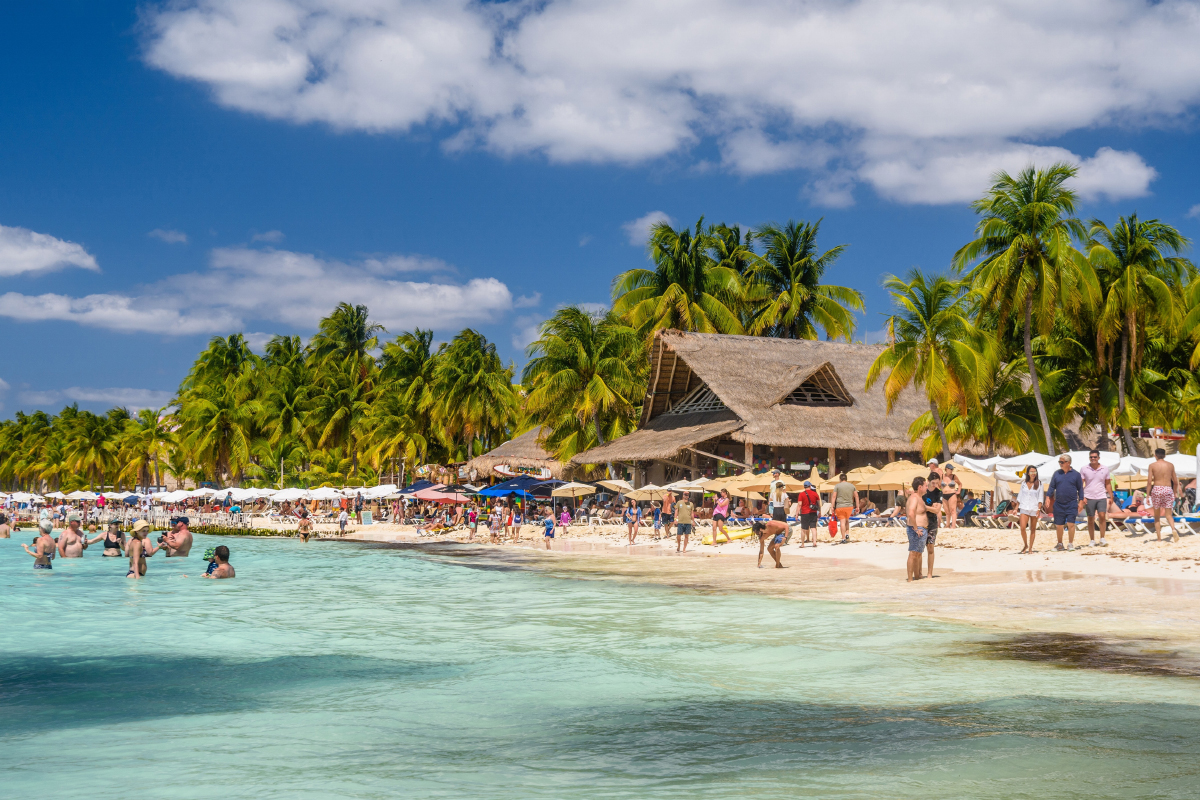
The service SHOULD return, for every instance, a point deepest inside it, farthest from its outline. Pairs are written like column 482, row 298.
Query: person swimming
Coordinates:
column 44, row 546
column 224, row 568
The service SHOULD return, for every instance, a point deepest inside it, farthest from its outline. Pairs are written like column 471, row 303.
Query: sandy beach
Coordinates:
column 1136, row 595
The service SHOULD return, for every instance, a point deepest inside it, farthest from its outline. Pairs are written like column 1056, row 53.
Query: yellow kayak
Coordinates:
column 734, row 533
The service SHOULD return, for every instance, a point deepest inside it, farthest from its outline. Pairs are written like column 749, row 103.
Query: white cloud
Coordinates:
column 638, row 230
column 270, row 236
column 526, row 330
column 528, row 301
column 23, row 250
column 865, row 90
column 1194, row 211
column 258, row 341
column 169, row 236
column 949, row 173
column 294, row 289
column 133, row 399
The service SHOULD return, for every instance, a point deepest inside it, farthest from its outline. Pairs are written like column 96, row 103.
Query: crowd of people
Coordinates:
column 74, row 541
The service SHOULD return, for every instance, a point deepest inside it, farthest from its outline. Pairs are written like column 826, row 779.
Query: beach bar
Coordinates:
column 522, row 455
column 718, row 404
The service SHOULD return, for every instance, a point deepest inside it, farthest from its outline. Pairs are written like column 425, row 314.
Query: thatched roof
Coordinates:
column 777, row 392
column 523, row 451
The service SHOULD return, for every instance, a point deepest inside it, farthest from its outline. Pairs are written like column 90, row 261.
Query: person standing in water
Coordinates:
column 5, row 530
column 44, row 546
column 224, row 569
column 136, row 550
column 70, row 541
column 114, row 540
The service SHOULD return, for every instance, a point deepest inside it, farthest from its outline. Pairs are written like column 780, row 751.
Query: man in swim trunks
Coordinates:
column 1163, row 484
column 774, row 531
column 918, row 521
column 668, row 512
column 70, row 541
column 224, row 568
column 178, row 543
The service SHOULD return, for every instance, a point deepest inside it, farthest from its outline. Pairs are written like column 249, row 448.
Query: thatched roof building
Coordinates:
column 746, row 400
column 522, row 454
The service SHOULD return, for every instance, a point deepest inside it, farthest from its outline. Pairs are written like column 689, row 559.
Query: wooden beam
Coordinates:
column 671, row 380
column 719, row 458
column 832, row 463
column 674, row 463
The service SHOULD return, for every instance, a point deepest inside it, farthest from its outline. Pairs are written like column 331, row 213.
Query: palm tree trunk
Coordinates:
column 1033, row 376
column 937, row 418
column 157, row 476
column 1121, row 391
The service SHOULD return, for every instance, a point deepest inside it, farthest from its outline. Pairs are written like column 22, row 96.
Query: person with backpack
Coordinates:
column 810, row 506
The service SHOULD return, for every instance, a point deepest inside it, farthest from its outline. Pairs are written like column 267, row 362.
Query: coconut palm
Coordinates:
column 790, row 301
column 473, row 396
column 143, row 444
column 687, row 289
column 933, row 345
column 346, row 335
column 1143, row 278
column 584, row 377
column 1023, row 256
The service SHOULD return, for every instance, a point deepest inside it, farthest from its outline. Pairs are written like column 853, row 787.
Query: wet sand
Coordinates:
column 1135, row 599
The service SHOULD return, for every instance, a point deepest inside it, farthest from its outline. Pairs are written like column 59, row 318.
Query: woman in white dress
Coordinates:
column 1029, row 505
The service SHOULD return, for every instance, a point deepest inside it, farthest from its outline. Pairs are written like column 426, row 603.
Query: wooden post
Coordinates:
column 695, row 473
column 749, row 456
column 832, row 463
column 891, row 456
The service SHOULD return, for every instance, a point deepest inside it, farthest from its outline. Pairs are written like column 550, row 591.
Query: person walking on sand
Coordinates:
column 933, row 507
column 1029, row 506
column 720, row 514
column 1163, row 485
column 685, row 518
column 810, row 508
column 917, row 530
column 516, row 521
column 343, row 518
column 1097, row 489
column 1065, row 495
column 668, row 511
column 845, row 500
column 44, row 546
column 774, row 531
column 633, row 518
column 951, row 489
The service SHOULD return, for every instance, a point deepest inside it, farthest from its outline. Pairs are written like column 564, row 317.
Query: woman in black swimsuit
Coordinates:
column 136, row 551
column 114, row 540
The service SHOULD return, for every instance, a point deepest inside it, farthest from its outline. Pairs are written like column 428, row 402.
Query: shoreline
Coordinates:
column 1126, row 595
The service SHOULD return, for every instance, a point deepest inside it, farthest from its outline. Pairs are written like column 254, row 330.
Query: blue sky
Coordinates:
column 170, row 172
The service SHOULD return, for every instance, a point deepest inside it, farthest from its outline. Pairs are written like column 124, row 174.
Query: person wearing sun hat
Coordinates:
column 777, row 497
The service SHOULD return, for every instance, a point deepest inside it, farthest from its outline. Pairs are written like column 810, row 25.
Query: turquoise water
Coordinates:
column 340, row 670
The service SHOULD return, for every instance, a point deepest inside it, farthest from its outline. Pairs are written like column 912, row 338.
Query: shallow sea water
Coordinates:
column 333, row 670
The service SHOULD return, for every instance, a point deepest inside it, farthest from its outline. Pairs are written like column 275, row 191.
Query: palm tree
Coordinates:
column 473, row 390
column 584, row 375
column 687, row 289
column 786, row 283
column 338, row 410
column 1024, row 257
column 1143, row 279
column 217, row 426
column 145, row 440
column 92, row 448
column 933, row 344
column 346, row 335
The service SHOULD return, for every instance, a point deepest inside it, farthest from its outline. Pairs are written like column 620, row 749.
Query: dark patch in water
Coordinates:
column 1089, row 652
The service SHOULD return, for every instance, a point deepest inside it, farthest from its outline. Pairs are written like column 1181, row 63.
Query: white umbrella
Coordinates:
column 1185, row 466
column 620, row 486
column 57, row 495
column 648, row 492
column 325, row 493
column 1014, row 463
column 979, row 464
column 81, row 495
column 573, row 490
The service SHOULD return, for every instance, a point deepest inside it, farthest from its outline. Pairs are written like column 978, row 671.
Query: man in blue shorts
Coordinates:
column 1065, row 492
column 773, row 531
column 918, row 528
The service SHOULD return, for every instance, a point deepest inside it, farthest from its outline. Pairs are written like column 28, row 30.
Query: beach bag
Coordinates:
column 832, row 527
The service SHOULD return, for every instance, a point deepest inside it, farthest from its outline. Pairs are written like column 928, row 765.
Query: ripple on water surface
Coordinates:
column 335, row 670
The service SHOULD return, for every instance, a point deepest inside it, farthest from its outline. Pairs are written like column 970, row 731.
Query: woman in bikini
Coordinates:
column 136, row 550
column 950, row 490
column 114, row 541
column 44, row 546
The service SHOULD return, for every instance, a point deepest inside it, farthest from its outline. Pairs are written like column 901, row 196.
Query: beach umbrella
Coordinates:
column 617, row 485
column 1185, row 466
column 1016, row 463
column 968, row 478
column 790, row 485
column 903, row 465
column 716, row 484
column 648, row 492
column 573, row 489
column 81, row 495
column 981, row 465
column 57, row 495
